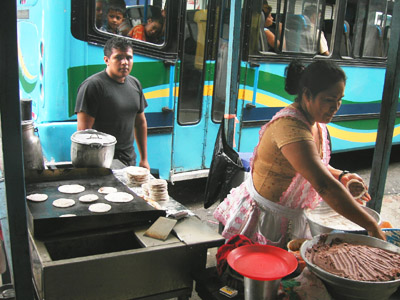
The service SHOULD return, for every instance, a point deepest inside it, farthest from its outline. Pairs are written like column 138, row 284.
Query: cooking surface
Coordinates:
column 45, row 218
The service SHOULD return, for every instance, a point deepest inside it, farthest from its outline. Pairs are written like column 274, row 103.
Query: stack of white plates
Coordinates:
column 137, row 175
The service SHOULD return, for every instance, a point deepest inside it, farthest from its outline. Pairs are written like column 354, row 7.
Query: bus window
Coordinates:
column 303, row 29
column 371, row 28
column 300, row 24
column 218, row 106
column 143, row 22
column 192, row 64
column 269, row 37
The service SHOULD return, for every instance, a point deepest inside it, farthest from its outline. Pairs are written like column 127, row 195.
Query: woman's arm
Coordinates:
column 304, row 158
column 270, row 38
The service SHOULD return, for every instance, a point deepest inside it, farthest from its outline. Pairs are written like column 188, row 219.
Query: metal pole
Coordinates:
column 12, row 153
column 233, row 65
column 390, row 100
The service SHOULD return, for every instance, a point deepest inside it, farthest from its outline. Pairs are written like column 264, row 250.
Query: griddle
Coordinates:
column 44, row 218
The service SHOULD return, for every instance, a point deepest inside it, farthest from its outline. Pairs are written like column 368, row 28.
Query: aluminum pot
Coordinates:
column 348, row 289
column 92, row 149
column 318, row 220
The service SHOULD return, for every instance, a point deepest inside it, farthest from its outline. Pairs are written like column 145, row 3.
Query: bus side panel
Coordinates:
column 351, row 130
column 159, row 149
column 30, row 59
column 363, row 95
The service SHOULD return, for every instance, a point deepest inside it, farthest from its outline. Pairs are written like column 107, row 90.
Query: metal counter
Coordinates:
column 122, row 264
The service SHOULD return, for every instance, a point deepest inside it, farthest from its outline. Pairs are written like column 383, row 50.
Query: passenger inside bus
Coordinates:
column 115, row 17
column 310, row 12
column 269, row 28
column 151, row 30
column 99, row 13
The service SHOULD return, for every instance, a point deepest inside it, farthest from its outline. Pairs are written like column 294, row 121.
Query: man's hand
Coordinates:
column 144, row 164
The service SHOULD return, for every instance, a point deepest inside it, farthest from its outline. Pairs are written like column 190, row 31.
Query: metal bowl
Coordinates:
column 347, row 289
column 323, row 209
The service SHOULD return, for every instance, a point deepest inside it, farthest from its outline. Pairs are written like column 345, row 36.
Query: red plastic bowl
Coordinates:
column 262, row 262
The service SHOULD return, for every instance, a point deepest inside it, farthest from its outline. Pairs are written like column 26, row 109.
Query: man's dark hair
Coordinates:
column 117, row 8
column 116, row 43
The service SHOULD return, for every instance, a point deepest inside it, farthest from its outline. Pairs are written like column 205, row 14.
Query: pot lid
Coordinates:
column 92, row 136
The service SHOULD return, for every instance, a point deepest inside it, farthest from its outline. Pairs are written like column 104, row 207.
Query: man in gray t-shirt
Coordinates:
column 112, row 102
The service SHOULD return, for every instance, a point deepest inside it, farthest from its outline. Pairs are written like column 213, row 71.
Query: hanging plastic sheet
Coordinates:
column 225, row 165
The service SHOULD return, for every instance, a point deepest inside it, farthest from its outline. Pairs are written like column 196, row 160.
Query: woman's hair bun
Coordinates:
column 293, row 74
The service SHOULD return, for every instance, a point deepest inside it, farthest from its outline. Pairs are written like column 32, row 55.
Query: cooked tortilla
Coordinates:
column 99, row 207
column 67, row 215
column 63, row 202
column 107, row 190
column 71, row 188
column 37, row 197
column 88, row 198
column 119, row 197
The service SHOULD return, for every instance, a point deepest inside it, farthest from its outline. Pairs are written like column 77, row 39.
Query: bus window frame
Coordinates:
column 83, row 28
column 252, row 54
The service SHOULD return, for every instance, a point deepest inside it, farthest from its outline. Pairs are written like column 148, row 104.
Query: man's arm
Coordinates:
column 141, row 139
column 85, row 121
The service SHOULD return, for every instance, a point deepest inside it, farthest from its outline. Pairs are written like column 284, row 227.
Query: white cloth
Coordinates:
column 246, row 212
column 296, row 216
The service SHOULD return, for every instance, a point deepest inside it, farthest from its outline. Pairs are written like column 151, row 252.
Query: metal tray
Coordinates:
column 44, row 218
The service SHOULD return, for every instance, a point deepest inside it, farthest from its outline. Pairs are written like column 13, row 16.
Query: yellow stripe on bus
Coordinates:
column 23, row 66
column 360, row 137
column 262, row 99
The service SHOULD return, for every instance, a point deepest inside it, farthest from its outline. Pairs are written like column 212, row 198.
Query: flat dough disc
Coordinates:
column 88, row 198
column 71, row 188
column 37, row 197
column 67, row 215
column 99, row 207
column 107, row 190
column 119, row 197
column 63, row 202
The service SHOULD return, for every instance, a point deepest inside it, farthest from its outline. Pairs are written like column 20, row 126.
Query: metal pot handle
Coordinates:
column 97, row 137
column 96, row 145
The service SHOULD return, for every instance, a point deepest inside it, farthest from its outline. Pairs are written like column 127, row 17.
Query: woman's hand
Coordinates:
column 356, row 186
column 377, row 233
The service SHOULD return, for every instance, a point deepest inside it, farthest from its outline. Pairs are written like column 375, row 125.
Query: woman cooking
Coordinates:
column 290, row 168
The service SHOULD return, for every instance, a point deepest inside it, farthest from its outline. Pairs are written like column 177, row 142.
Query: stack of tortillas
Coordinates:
column 157, row 190
column 137, row 175
column 145, row 188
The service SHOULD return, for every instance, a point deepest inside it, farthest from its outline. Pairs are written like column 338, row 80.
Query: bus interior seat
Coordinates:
column 386, row 34
column 136, row 13
column 345, row 45
column 327, row 29
column 191, row 32
column 263, row 46
column 373, row 41
column 297, row 34
column 386, row 39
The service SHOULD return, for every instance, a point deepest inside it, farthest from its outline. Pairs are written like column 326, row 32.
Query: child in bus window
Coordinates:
column 149, row 32
column 99, row 13
column 115, row 17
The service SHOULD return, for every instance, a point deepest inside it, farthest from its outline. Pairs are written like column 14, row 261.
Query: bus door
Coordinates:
column 192, row 108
